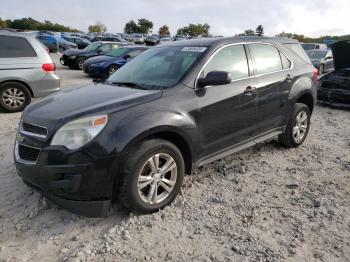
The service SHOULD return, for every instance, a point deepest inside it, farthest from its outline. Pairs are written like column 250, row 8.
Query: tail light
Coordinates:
column 315, row 75
column 50, row 68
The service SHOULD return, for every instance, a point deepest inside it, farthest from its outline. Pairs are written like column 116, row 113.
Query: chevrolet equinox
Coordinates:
column 172, row 108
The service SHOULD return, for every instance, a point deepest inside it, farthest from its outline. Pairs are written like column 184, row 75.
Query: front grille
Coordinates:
column 34, row 129
column 28, row 153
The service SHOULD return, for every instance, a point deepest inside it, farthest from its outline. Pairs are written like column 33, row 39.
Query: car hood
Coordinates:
column 69, row 104
column 341, row 54
column 74, row 52
column 100, row 58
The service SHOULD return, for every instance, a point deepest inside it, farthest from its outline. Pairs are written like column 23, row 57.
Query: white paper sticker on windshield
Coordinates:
column 193, row 49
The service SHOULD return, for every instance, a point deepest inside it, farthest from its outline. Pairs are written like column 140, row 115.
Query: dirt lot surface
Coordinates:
column 266, row 203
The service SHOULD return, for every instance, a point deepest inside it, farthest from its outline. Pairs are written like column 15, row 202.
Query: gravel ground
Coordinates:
column 266, row 203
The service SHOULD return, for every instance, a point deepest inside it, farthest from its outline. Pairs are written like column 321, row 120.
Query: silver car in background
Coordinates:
column 26, row 71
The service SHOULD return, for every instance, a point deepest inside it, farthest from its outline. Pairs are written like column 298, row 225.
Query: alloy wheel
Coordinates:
column 112, row 70
column 13, row 97
column 300, row 127
column 157, row 178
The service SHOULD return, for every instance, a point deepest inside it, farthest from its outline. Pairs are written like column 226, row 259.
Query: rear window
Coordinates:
column 299, row 51
column 13, row 46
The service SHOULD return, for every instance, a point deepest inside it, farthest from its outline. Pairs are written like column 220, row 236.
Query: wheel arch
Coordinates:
column 307, row 99
column 178, row 139
column 20, row 82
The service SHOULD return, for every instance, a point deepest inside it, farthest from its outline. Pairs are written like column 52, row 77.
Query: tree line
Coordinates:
column 32, row 24
column 145, row 26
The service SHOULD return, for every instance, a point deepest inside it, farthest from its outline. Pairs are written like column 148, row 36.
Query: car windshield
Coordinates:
column 158, row 68
column 317, row 54
column 118, row 52
column 92, row 47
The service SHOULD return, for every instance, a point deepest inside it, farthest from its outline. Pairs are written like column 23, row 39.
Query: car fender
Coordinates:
column 129, row 134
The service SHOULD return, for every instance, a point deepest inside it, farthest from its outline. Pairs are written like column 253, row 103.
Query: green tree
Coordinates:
column 194, row 30
column 144, row 26
column 3, row 23
column 98, row 28
column 164, row 30
column 131, row 27
column 248, row 32
column 259, row 30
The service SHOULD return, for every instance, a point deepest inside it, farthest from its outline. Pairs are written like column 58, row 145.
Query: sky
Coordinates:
column 226, row 17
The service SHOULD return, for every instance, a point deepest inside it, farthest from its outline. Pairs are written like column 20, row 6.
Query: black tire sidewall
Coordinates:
column 133, row 165
column 17, row 85
column 78, row 61
column 109, row 68
column 297, row 109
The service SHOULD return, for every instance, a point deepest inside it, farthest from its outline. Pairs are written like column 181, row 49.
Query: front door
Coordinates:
column 227, row 114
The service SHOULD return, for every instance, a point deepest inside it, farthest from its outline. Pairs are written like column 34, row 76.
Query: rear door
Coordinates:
column 274, row 78
column 227, row 114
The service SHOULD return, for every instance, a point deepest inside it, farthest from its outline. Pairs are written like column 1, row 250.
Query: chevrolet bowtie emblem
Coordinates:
column 20, row 138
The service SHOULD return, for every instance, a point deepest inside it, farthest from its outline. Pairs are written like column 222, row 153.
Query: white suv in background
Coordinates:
column 26, row 71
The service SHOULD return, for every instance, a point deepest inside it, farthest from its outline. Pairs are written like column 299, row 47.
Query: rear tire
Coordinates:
column 151, row 176
column 14, row 96
column 297, row 128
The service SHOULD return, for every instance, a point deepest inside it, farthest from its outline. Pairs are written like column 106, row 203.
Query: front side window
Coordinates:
column 231, row 59
column 105, row 48
column 11, row 46
column 266, row 57
column 158, row 68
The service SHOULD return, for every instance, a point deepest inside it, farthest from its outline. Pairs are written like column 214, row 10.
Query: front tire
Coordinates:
column 14, row 96
column 297, row 128
column 79, row 64
column 112, row 69
column 151, row 176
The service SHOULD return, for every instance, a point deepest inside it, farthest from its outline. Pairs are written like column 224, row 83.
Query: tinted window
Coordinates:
column 299, row 51
column 11, row 46
column 267, row 58
column 135, row 53
column 231, row 59
column 105, row 48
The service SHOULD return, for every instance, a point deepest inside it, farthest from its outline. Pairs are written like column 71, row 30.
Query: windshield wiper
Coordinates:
column 130, row 84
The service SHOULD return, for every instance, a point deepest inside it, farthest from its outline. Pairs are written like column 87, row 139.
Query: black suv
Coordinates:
column 170, row 109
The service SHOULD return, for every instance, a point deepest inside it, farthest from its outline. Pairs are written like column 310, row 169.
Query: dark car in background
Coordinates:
column 334, row 88
column 55, row 43
column 313, row 46
column 106, row 65
column 152, row 40
column 79, row 41
column 322, row 60
column 75, row 59
column 170, row 109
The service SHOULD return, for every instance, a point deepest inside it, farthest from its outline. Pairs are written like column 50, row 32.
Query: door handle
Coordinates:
column 249, row 90
column 289, row 78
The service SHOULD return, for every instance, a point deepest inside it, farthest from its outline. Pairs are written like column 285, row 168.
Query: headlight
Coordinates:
column 77, row 133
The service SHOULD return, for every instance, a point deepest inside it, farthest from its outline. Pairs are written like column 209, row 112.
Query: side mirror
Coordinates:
column 214, row 78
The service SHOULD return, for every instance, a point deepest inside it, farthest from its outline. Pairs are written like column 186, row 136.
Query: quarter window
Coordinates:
column 231, row 59
column 12, row 46
column 285, row 61
column 267, row 58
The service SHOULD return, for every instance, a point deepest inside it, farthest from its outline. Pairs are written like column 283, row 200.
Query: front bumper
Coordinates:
column 76, row 181
column 67, row 60
column 95, row 71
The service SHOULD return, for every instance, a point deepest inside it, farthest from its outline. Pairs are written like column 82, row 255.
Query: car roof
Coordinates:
column 18, row 34
column 217, row 41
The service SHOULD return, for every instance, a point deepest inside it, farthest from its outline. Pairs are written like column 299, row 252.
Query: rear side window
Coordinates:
column 267, row 58
column 299, row 51
column 285, row 61
column 13, row 46
column 231, row 59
